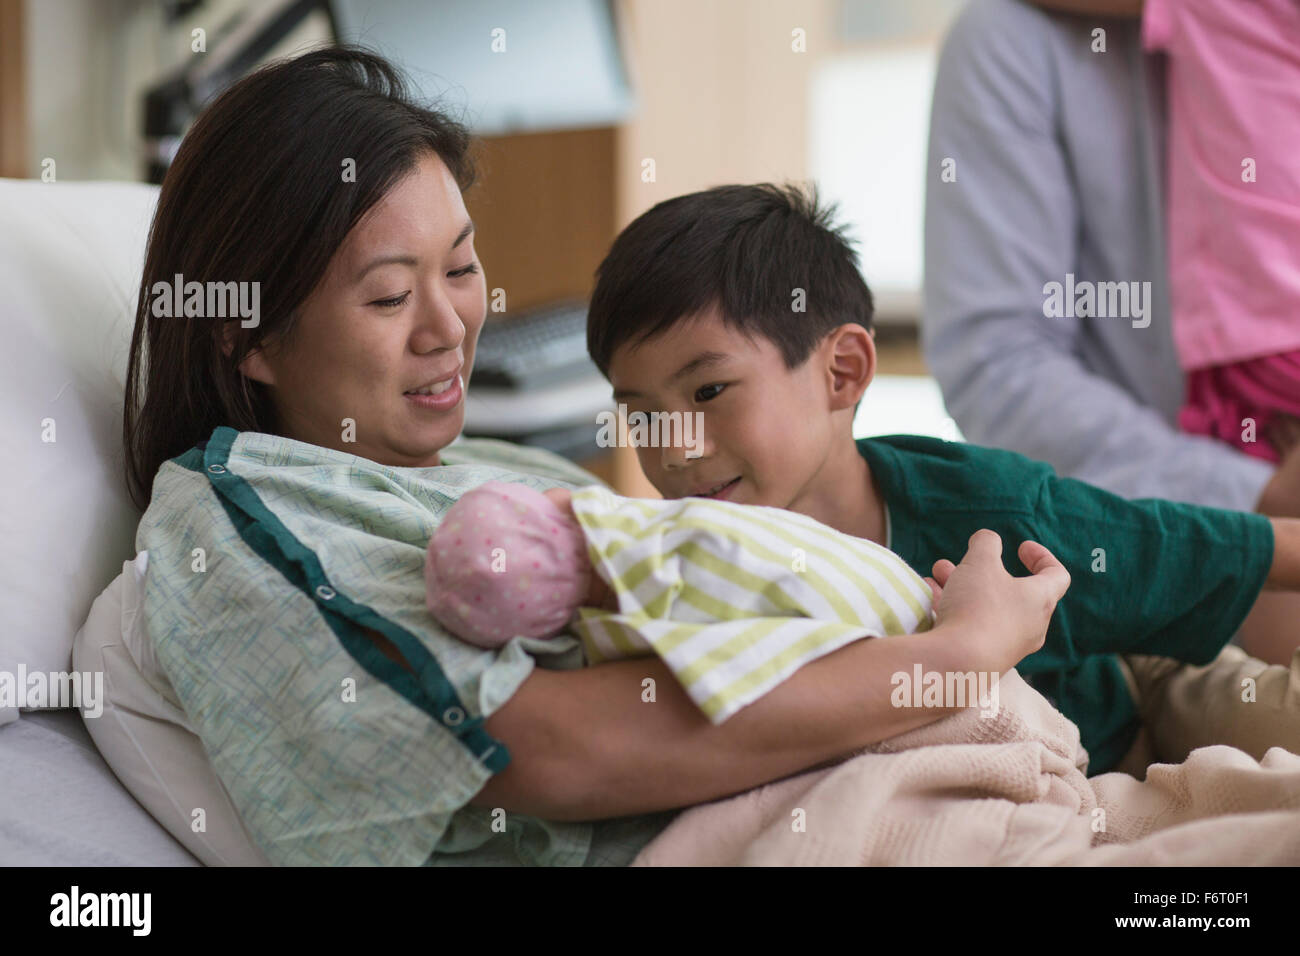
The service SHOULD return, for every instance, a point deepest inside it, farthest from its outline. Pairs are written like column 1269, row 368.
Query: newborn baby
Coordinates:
column 509, row 561
column 733, row 597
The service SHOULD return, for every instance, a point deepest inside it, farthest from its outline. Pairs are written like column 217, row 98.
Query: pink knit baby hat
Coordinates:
column 505, row 562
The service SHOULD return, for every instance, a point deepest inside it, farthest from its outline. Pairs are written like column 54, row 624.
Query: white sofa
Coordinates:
column 70, row 261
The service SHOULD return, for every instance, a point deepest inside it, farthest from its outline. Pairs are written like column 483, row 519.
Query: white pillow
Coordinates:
column 70, row 261
column 144, row 735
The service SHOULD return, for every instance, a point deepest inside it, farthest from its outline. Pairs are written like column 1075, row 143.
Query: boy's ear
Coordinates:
column 850, row 364
column 254, row 365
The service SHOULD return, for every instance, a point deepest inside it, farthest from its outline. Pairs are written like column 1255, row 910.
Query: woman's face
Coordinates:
column 398, row 312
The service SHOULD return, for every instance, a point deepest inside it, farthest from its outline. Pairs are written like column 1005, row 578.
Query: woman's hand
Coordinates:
column 1005, row 618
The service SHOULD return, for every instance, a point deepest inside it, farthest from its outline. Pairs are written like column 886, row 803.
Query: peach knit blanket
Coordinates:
column 1010, row 789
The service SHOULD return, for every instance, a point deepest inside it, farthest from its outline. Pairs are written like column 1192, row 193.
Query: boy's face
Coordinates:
column 767, row 430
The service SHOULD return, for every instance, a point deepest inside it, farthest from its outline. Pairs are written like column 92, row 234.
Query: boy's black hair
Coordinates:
column 745, row 249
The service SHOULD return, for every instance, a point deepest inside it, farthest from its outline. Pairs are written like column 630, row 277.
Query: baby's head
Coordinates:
column 507, row 561
column 743, row 304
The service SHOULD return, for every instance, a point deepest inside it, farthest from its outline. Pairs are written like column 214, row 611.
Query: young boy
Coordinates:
column 745, row 303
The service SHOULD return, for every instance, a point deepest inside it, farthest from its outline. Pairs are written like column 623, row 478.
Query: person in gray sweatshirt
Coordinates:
column 1046, row 317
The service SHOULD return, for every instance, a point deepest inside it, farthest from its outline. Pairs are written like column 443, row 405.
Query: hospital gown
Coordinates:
column 267, row 557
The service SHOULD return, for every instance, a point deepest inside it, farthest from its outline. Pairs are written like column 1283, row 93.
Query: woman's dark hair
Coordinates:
column 747, row 250
column 259, row 192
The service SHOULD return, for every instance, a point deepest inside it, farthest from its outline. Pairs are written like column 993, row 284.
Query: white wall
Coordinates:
column 868, row 126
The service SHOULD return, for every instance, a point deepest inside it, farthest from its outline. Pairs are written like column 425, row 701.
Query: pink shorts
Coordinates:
column 1220, row 398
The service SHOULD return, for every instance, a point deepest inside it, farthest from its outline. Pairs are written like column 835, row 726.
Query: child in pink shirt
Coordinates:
column 1234, row 211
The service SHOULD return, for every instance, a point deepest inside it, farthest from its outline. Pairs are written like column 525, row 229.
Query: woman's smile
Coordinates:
column 439, row 396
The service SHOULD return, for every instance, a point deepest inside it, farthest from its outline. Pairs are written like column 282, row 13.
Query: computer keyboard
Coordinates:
column 536, row 349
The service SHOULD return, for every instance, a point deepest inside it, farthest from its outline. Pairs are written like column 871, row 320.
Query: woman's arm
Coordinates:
column 584, row 746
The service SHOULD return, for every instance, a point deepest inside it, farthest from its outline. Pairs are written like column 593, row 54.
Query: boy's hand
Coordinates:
column 1006, row 617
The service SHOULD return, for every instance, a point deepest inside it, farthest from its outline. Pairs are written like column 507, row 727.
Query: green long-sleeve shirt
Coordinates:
column 1148, row 576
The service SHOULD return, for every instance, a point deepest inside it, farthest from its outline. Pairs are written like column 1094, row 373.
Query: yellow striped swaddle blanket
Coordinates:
column 735, row 598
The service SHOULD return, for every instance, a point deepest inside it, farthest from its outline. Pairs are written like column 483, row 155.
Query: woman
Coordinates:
column 295, row 466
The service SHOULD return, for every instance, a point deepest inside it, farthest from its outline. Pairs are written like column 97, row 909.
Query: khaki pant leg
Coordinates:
column 1185, row 707
column 1140, row 754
